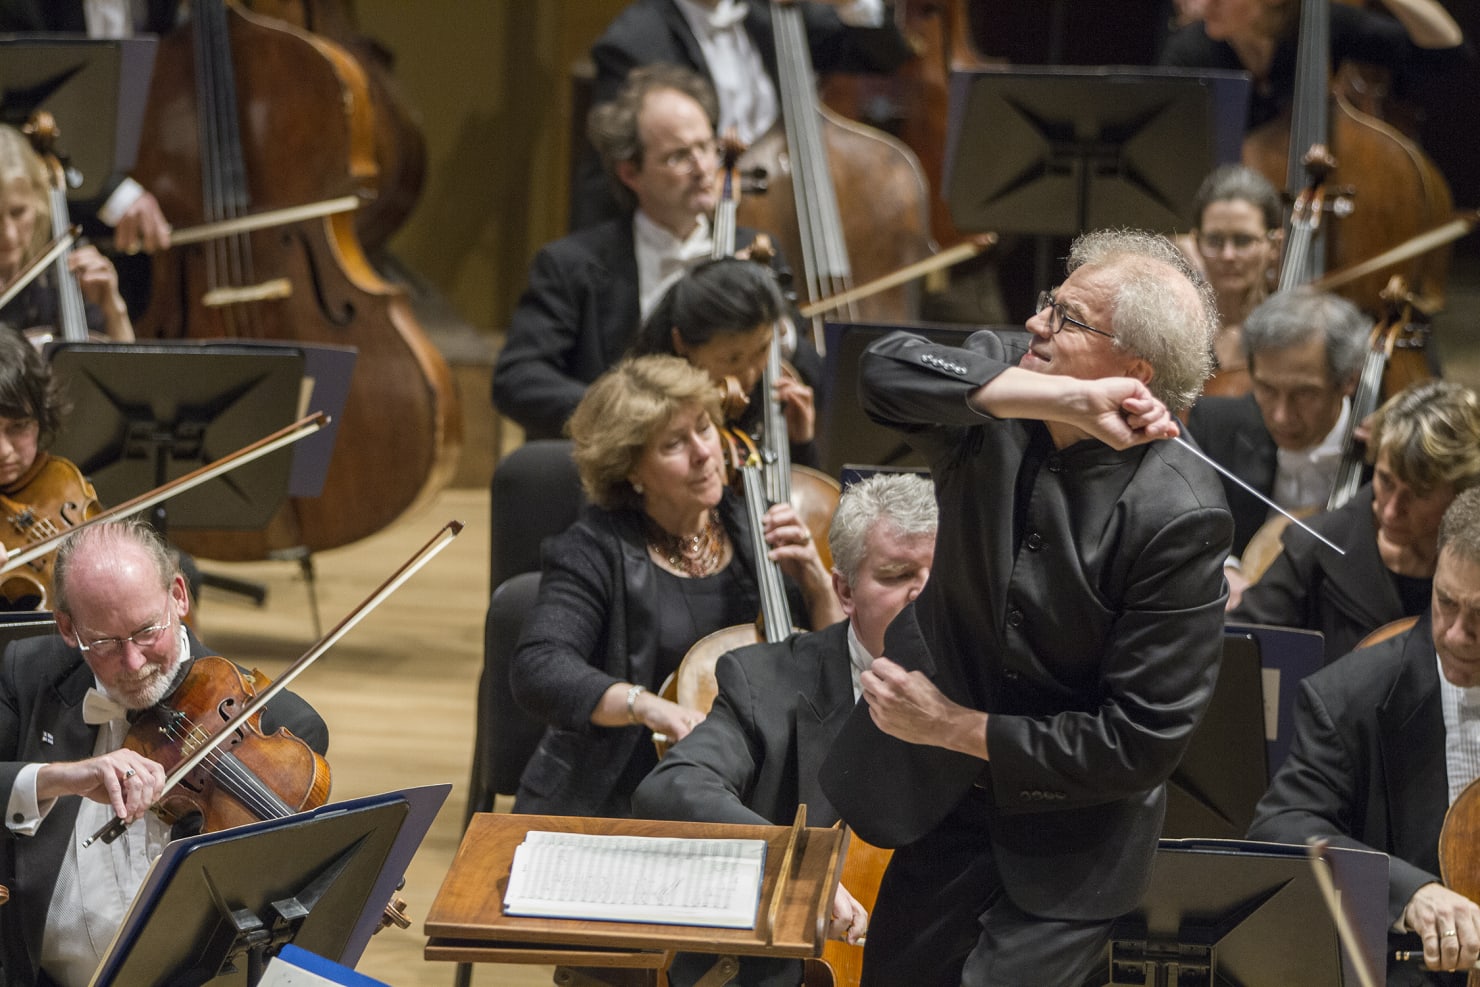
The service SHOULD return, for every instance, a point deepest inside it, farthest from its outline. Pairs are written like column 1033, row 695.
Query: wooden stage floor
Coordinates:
column 398, row 692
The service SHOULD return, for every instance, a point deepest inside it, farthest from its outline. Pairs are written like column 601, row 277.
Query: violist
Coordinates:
column 121, row 644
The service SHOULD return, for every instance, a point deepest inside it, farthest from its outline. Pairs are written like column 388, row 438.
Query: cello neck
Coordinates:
column 775, row 611
column 1310, row 127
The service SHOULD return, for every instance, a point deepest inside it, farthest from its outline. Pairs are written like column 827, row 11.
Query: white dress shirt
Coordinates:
column 747, row 97
column 1461, row 733
column 860, row 660
column 1303, row 479
column 662, row 258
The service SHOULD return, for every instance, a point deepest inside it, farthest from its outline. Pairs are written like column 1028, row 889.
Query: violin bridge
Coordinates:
column 267, row 291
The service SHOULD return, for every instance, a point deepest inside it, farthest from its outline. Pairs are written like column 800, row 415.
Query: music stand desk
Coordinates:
column 467, row 924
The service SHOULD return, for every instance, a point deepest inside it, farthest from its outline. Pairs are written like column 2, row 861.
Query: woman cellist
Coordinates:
column 661, row 560
column 25, row 227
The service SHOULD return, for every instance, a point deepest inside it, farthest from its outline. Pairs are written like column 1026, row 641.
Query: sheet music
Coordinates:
column 637, row 879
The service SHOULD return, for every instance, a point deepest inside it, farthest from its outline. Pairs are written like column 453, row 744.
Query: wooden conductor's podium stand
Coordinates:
column 467, row 924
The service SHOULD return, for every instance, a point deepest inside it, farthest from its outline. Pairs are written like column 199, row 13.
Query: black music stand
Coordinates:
column 1236, row 912
column 1057, row 151
column 1223, row 774
column 83, row 83
column 17, row 625
column 216, row 907
column 143, row 414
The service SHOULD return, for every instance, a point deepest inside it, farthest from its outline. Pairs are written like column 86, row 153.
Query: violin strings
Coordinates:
column 235, row 776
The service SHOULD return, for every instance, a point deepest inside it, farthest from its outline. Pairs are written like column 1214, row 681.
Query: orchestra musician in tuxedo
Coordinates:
column 589, row 291
column 120, row 645
column 1386, row 738
column 754, row 758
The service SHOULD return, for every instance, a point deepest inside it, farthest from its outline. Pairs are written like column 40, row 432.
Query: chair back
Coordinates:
column 506, row 735
column 536, row 492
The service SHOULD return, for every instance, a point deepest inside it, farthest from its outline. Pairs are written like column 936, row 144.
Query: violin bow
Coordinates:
column 937, row 262
column 1460, row 225
column 1315, row 849
column 287, row 435
column 54, row 249
column 411, row 567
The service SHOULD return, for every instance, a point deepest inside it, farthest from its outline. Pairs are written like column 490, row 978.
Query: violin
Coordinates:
column 250, row 776
column 53, row 498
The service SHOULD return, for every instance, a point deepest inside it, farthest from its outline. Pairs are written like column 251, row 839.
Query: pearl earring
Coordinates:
column 637, row 487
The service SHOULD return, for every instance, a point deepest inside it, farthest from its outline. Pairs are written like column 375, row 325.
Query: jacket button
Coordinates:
column 1055, row 464
column 1014, row 618
column 1035, row 542
column 1011, row 676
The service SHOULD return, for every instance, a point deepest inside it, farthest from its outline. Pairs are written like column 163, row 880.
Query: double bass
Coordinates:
column 249, row 115
column 818, row 159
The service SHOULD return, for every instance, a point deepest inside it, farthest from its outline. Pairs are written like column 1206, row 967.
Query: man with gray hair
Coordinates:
column 1386, row 739
column 1305, row 351
column 1017, row 733
column 754, row 759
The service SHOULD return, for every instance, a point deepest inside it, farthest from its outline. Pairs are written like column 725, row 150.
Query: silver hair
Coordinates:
column 904, row 501
column 1294, row 317
column 1166, row 328
column 1460, row 530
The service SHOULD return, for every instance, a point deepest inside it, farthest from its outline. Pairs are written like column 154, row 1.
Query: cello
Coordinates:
column 822, row 158
column 246, row 114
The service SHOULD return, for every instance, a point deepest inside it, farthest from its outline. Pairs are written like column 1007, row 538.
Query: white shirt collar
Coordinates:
column 705, row 21
column 859, row 661
column 662, row 258
column 1461, row 705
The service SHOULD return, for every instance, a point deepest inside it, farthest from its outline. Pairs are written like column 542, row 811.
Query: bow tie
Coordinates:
column 726, row 14
column 98, row 708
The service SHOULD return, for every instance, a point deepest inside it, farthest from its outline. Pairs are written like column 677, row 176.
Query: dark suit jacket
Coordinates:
column 1307, row 585
column 574, row 321
column 65, row 16
column 42, row 684
column 1366, row 766
column 755, row 758
column 1094, row 644
column 1232, row 432
column 651, row 31
column 596, row 623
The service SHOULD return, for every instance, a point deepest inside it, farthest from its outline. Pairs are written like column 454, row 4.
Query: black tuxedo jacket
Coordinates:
column 1232, row 432
column 42, row 685
column 1307, row 585
column 1077, row 597
column 756, row 757
column 1366, row 766
column 575, row 320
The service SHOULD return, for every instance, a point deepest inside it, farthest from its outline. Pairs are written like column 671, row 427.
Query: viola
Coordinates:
column 52, row 499
column 250, row 776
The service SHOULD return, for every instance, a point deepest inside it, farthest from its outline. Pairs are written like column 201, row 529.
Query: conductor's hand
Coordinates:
column 124, row 779
column 849, row 918
column 1120, row 412
column 1449, row 925
column 908, row 706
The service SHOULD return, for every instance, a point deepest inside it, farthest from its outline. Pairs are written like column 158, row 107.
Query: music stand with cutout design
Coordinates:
column 1057, row 151
column 467, row 924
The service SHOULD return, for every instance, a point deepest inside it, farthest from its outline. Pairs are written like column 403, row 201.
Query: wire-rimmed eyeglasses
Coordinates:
column 112, row 647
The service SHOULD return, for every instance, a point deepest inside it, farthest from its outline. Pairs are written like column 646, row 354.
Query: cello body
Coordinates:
column 304, row 135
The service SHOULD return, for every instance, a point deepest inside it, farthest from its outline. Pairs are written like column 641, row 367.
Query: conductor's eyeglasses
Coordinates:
column 112, row 647
column 687, row 160
column 1058, row 317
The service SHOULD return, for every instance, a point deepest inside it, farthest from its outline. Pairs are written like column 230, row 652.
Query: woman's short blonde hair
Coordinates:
column 1430, row 434
column 622, row 412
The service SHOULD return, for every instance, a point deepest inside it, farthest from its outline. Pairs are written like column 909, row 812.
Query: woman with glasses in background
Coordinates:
column 1236, row 244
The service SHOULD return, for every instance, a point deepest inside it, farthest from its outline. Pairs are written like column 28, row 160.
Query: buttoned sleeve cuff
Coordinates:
column 862, row 13
column 125, row 195
column 23, row 816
